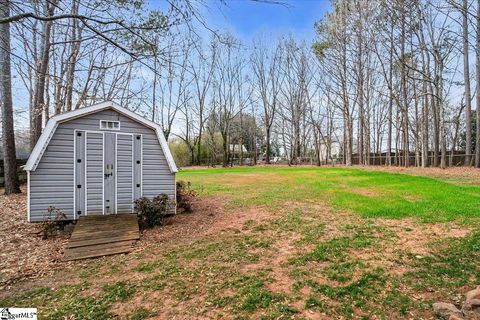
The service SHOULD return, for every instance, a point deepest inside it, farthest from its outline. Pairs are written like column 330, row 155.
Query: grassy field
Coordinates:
column 279, row 243
column 369, row 193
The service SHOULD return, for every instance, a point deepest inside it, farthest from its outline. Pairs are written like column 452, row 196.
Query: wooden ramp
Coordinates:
column 96, row 236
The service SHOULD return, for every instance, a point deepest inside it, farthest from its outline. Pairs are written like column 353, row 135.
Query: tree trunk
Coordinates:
column 154, row 87
column 349, row 138
column 436, row 142
column 477, row 144
column 390, row 100
column 361, row 118
column 424, row 122
column 404, row 88
column 72, row 59
column 8, row 134
column 225, row 149
column 199, row 143
column 42, row 68
column 468, row 97
column 441, row 116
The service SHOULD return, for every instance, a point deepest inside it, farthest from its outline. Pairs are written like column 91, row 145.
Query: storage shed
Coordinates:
column 96, row 161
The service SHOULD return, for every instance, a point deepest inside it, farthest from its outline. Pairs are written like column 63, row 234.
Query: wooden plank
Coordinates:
column 89, row 242
column 109, row 220
column 108, row 231
column 75, row 252
column 98, row 254
column 96, row 236
column 103, row 234
column 133, row 235
column 82, row 231
column 107, row 225
column 125, row 224
column 103, row 246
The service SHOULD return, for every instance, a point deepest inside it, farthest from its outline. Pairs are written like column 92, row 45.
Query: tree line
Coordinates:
column 392, row 82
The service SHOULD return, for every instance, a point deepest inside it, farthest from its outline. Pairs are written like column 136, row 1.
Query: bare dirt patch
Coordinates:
column 414, row 236
column 209, row 217
column 247, row 178
column 365, row 192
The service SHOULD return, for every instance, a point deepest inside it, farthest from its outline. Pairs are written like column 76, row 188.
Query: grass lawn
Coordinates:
column 279, row 243
column 369, row 193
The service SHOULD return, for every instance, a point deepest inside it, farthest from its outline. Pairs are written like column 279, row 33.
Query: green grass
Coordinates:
column 369, row 193
column 319, row 250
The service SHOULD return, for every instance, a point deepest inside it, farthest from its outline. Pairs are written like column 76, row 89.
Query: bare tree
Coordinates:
column 8, row 135
column 268, row 80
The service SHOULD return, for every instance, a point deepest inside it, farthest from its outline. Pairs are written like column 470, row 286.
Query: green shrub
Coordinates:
column 152, row 212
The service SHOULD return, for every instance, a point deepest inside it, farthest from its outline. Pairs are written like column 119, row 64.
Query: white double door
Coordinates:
column 108, row 170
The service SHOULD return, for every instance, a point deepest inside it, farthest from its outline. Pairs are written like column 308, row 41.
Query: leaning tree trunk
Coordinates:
column 8, row 134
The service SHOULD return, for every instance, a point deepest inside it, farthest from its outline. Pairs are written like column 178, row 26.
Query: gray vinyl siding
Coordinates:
column 52, row 183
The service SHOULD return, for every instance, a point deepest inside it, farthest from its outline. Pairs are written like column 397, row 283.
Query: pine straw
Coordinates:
column 24, row 254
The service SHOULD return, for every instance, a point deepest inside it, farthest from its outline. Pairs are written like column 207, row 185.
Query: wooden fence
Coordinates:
column 455, row 158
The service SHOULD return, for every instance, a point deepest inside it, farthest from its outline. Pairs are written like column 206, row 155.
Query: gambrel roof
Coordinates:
column 53, row 122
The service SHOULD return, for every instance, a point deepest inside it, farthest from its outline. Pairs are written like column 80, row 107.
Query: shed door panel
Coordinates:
column 79, row 173
column 94, row 166
column 109, row 174
column 124, row 173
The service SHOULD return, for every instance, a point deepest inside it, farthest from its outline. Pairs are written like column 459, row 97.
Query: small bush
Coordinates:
column 53, row 221
column 185, row 194
column 152, row 212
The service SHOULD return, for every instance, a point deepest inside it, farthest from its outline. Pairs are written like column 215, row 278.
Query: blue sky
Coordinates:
column 247, row 19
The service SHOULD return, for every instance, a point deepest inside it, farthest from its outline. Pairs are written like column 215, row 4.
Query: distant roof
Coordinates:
column 53, row 122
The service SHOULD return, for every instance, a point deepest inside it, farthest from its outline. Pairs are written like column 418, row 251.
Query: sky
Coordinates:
column 248, row 19
column 244, row 19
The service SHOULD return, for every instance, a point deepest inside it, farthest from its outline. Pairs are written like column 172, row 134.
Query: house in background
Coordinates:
column 96, row 161
column 335, row 151
column 237, row 149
